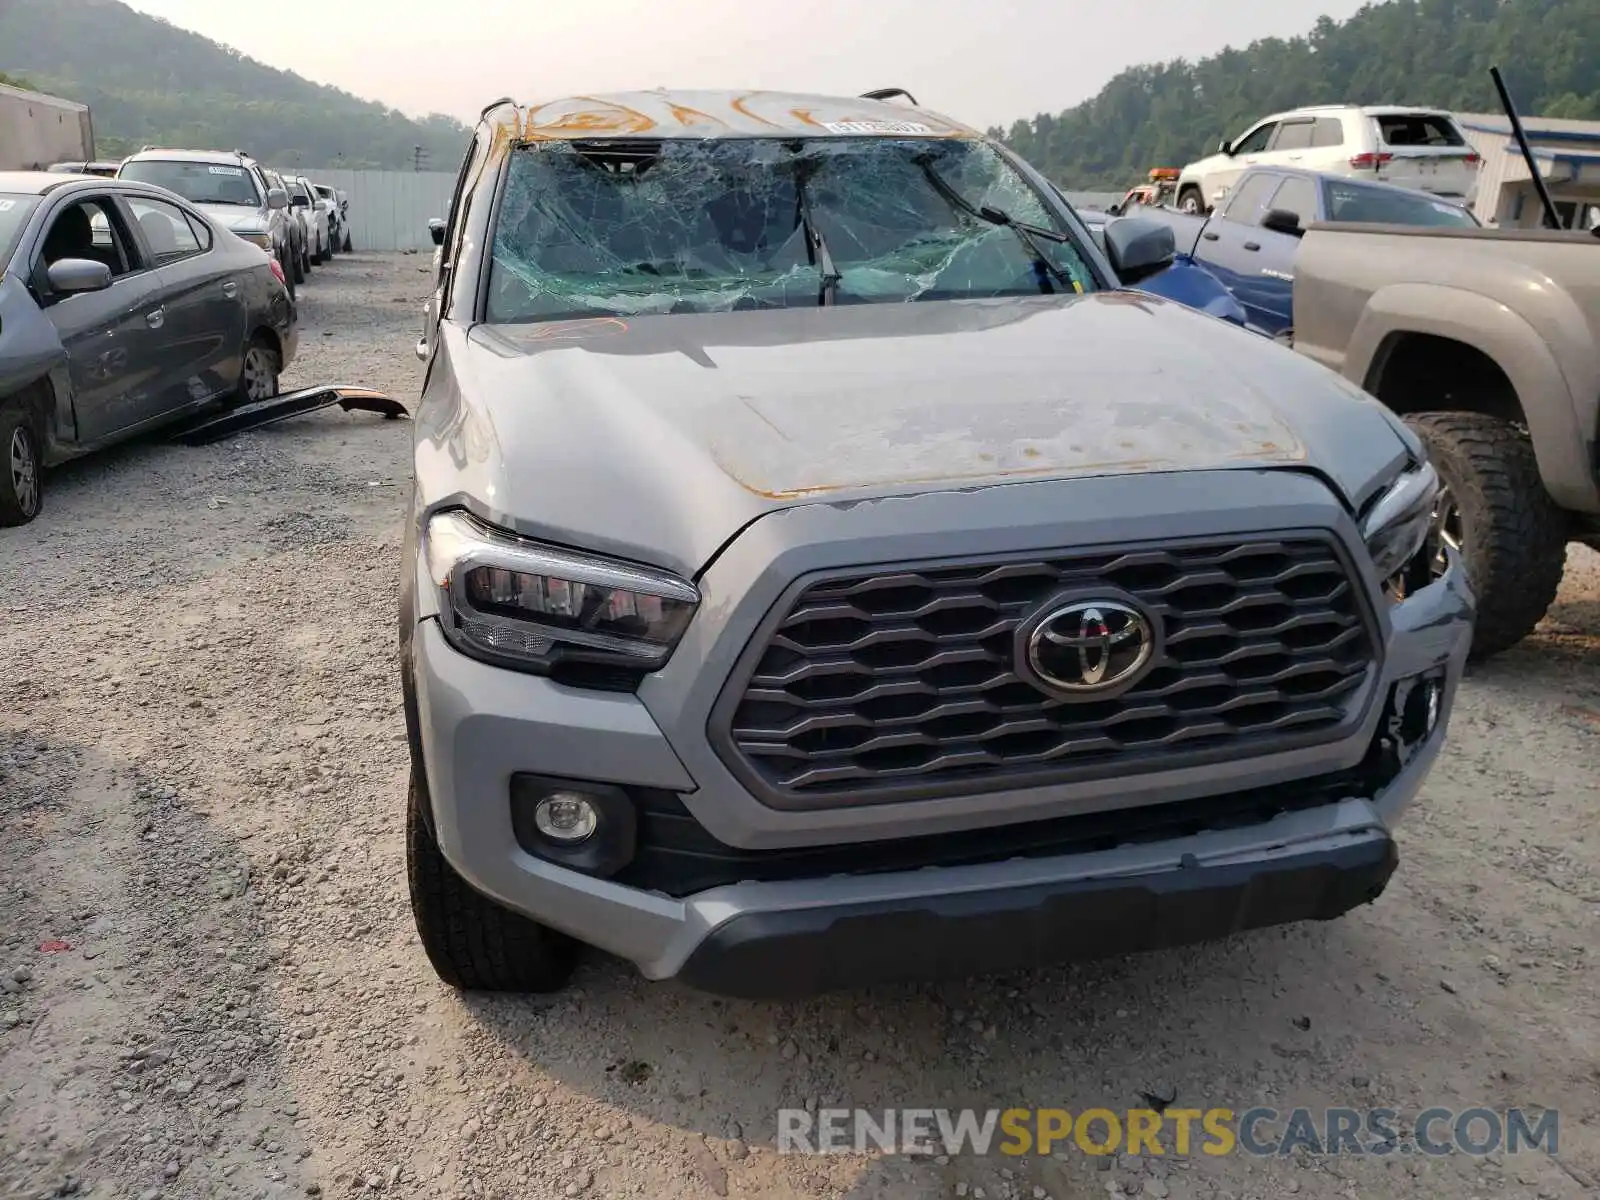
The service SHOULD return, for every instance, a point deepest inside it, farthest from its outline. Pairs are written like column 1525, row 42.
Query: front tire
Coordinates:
column 300, row 267
column 1511, row 536
column 21, row 465
column 472, row 942
column 1190, row 201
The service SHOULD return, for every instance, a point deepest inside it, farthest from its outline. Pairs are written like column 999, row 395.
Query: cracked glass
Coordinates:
column 620, row 227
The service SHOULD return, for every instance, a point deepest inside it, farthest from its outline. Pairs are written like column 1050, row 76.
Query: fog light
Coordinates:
column 1435, row 698
column 566, row 818
column 589, row 827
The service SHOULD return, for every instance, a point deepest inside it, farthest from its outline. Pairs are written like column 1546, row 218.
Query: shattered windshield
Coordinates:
column 621, row 227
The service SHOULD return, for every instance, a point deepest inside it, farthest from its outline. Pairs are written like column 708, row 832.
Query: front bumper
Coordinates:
column 476, row 726
column 798, row 951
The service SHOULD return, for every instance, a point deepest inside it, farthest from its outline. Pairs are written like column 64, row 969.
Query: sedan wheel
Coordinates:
column 21, row 470
column 258, row 380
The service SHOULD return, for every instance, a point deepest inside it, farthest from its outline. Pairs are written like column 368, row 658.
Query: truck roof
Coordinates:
column 666, row 113
column 231, row 157
column 1336, row 177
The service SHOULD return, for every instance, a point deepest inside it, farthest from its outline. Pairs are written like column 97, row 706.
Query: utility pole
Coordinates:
column 418, row 157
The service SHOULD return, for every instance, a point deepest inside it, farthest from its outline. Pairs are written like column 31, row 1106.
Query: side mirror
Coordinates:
column 1281, row 220
column 1114, row 208
column 277, row 198
column 69, row 276
column 436, row 230
column 1139, row 247
column 1225, row 147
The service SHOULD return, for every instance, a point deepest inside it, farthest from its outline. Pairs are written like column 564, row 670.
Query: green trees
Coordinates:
column 1402, row 52
column 147, row 81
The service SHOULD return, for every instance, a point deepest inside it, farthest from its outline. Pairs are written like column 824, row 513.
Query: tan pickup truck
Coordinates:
column 1485, row 340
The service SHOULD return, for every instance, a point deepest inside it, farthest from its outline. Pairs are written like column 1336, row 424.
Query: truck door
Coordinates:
column 1273, row 292
column 1230, row 245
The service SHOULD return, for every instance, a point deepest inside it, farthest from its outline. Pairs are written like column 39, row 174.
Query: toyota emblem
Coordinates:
column 1090, row 647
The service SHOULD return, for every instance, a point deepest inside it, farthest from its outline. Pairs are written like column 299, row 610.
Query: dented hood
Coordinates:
column 658, row 438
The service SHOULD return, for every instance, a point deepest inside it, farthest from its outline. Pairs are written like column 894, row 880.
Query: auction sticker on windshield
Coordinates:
column 876, row 127
column 226, row 170
column 7, row 205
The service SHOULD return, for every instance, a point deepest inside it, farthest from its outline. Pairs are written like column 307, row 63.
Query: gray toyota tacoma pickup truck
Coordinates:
column 822, row 571
column 1485, row 341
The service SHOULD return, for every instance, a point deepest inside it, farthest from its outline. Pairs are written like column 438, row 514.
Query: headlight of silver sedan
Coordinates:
column 534, row 607
column 1397, row 524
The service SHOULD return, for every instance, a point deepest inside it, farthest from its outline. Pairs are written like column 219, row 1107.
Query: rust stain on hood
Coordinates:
column 666, row 113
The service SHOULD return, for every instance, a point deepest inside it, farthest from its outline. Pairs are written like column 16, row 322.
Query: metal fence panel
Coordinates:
column 389, row 210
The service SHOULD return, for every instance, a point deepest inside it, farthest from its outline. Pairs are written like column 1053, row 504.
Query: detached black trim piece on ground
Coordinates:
column 290, row 404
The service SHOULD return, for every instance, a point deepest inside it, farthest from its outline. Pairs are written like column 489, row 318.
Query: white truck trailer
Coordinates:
column 37, row 130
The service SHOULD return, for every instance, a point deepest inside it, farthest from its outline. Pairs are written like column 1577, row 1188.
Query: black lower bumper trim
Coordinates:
column 779, row 954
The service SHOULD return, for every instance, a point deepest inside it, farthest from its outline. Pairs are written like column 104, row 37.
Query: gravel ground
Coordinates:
column 210, row 984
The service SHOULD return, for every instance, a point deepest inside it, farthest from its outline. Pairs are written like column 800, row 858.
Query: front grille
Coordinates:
column 901, row 683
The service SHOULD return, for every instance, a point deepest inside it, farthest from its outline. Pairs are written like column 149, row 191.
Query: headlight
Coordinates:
column 524, row 604
column 264, row 240
column 1396, row 526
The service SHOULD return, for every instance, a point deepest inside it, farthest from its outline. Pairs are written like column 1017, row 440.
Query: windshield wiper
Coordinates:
column 816, row 247
column 1028, row 235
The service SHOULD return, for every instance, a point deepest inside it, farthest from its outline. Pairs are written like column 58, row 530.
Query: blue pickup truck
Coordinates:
column 1250, row 240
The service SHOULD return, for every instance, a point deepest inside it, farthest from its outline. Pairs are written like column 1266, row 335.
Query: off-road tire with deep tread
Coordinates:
column 1514, row 537
column 1185, row 192
column 472, row 942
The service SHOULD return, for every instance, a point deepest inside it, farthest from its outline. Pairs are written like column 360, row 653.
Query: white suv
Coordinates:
column 1420, row 148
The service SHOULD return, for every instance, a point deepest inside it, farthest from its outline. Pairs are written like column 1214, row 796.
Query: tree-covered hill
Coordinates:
column 146, row 80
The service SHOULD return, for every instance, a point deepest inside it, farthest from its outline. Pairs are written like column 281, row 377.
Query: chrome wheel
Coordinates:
column 260, row 374
column 24, row 464
column 1446, row 530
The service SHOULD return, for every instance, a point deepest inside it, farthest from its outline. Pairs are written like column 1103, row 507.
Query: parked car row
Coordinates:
column 313, row 228
column 124, row 305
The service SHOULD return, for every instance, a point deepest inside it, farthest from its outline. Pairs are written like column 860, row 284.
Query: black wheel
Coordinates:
column 258, row 371
column 333, row 245
column 300, row 267
column 287, row 268
column 472, row 942
column 322, row 254
column 21, row 465
column 1493, row 510
column 347, row 247
column 1191, row 201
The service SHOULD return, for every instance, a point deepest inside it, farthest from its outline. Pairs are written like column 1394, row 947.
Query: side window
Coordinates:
column 1329, row 131
column 460, row 204
column 166, row 230
column 457, row 214
column 1293, row 135
column 1245, row 205
column 90, row 229
column 1298, row 196
column 202, row 235
column 1256, row 140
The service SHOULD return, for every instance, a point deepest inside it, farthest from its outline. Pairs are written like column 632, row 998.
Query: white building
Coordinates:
column 1568, row 154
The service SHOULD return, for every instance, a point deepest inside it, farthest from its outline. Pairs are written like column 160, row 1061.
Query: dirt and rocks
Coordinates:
column 210, row 985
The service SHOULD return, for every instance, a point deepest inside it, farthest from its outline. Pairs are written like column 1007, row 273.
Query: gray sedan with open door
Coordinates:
column 122, row 307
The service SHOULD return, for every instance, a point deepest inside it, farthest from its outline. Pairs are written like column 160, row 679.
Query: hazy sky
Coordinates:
column 980, row 61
